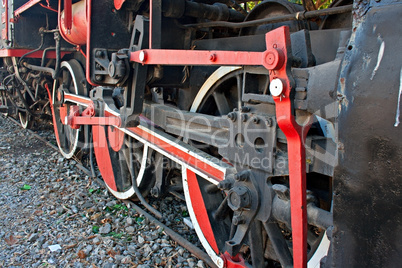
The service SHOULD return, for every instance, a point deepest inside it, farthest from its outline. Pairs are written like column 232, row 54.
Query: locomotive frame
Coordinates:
column 269, row 120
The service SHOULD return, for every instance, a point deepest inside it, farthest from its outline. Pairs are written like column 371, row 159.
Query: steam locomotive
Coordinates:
column 278, row 121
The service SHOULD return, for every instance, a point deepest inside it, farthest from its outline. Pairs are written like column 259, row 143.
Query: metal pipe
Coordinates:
column 175, row 236
column 302, row 15
column 40, row 69
column 315, row 215
column 138, row 192
column 215, row 12
column 319, row 217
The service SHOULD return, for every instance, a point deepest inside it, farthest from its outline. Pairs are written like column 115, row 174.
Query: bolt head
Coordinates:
column 244, row 109
column 99, row 54
column 241, row 176
column 225, row 184
column 276, row 87
column 244, row 117
column 239, row 198
column 232, row 116
column 212, row 57
column 143, row 56
column 269, row 122
column 238, row 220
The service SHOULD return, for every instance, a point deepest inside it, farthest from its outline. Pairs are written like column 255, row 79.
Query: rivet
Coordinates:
column 143, row 56
column 212, row 57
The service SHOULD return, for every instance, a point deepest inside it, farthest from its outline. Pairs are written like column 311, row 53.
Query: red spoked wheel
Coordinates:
column 123, row 161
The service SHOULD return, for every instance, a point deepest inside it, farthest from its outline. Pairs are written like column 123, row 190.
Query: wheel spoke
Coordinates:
column 221, row 103
column 279, row 244
column 256, row 245
column 239, row 83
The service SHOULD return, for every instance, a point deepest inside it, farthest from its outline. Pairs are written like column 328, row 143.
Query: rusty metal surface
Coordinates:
column 367, row 200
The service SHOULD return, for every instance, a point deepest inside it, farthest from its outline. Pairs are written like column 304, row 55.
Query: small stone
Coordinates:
column 88, row 250
column 155, row 247
column 96, row 240
column 78, row 265
column 74, row 209
column 200, row 264
column 191, row 262
column 126, row 260
column 130, row 221
column 140, row 240
column 130, row 229
column 33, row 237
column 118, row 258
column 105, row 229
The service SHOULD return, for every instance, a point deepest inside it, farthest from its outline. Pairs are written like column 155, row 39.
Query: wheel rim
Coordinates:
column 119, row 169
column 319, row 244
column 69, row 81
column 25, row 119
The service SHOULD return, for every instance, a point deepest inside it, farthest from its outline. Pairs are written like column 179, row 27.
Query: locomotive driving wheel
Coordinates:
column 70, row 80
column 226, row 215
column 125, row 163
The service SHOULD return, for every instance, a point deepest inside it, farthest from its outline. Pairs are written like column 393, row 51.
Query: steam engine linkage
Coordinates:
column 255, row 115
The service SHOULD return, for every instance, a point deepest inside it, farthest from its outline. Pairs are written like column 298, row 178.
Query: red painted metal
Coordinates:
column 73, row 23
column 200, row 210
column 116, row 138
column 88, row 44
column 75, row 121
column 48, row 7
column 25, row 7
column 183, row 155
column 19, row 52
column 56, row 133
column 63, row 113
column 279, row 39
column 68, row 15
column 150, row 22
column 76, row 98
column 118, row 3
column 89, row 111
column 74, row 113
column 233, row 262
column 6, row 21
column 103, row 156
column 197, row 57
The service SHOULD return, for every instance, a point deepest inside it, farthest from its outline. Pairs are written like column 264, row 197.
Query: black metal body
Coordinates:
column 367, row 182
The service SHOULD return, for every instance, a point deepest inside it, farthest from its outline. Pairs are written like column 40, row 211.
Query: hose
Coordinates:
column 302, row 15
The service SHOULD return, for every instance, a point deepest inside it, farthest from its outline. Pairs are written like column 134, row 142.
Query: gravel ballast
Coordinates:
column 53, row 215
